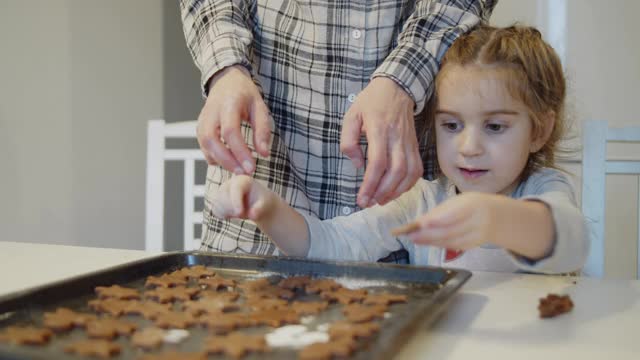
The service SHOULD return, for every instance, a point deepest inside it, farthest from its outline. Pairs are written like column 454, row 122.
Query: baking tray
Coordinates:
column 428, row 290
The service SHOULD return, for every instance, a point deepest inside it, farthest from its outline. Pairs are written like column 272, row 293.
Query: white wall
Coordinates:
column 79, row 80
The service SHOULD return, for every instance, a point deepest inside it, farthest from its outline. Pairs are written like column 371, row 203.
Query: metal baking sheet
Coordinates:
column 428, row 290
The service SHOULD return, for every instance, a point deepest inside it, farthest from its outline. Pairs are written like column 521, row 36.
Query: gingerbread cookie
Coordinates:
column 322, row 285
column 166, row 281
column 173, row 355
column 257, row 303
column 177, row 320
column 236, row 344
column 363, row 313
column 97, row 348
column 554, row 305
column 295, row 282
column 209, row 306
column 309, row 307
column 225, row 322
column 148, row 309
column 343, row 329
column 117, row 292
column 270, row 292
column 341, row 348
column 224, row 295
column 345, row 296
column 148, row 338
column 196, row 272
column 275, row 318
column 384, row 299
column 216, row 283
column 114, row 307
column 27, row 335
column 165, row 295
column 64, row 319
column 254, row 285
column 107, row 328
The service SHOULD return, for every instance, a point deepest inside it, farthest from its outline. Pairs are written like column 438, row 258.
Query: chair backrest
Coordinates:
column 157, row 153
column 595, row 167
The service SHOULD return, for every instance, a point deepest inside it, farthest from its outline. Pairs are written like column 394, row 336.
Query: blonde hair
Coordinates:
column 534, row 76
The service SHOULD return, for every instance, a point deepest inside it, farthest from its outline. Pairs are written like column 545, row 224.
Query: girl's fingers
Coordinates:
column 257, row 210
column 237, row 193
column 440, row 236
column 447, row 214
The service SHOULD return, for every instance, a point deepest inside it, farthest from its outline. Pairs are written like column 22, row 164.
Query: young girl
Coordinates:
column 498, row 205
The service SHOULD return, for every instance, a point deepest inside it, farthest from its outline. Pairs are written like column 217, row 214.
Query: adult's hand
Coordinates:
column 233, row 98
column 383, row 111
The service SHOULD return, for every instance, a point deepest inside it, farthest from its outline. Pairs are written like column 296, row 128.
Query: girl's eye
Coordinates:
column 496, row 128
column 450, row 125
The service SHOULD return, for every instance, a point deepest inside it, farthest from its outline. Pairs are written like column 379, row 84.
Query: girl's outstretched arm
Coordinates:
column 541, row 226
column 244, row 198
column 473, row 219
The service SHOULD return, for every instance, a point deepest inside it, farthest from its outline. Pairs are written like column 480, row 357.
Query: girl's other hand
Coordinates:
column 461, row 223
column 242, row 197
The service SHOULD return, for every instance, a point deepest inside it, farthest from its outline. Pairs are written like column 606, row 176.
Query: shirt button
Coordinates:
column 357, row 34
column 346, row 210
column 352, row 98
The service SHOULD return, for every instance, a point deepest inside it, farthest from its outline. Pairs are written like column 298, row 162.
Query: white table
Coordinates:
column 494, row 316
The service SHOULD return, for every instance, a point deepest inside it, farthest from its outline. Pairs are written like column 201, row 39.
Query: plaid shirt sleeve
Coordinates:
column 218, row 34
column 426, row 36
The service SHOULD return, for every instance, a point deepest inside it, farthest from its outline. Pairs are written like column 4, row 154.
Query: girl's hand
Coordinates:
column 243, row 197
column 461, row 223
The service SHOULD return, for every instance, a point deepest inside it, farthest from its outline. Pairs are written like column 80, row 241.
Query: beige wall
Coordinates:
column 79, row 80
column 35, row 122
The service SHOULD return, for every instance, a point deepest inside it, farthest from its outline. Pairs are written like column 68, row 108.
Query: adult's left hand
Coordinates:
column 383, row 111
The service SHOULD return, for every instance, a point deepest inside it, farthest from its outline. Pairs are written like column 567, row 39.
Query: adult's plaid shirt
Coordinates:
column 311, row 59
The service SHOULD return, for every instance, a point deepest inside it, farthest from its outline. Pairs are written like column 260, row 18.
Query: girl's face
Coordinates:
column 483, row 135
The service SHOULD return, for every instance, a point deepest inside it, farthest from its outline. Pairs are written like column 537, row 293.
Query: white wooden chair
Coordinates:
column 595, row 167
column 157, row 154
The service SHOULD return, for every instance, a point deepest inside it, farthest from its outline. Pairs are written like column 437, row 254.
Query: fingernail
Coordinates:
column 246, row 165
column 238, row 171
column 264, row 145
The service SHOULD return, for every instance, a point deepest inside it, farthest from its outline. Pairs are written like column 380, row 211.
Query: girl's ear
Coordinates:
column 548, row 123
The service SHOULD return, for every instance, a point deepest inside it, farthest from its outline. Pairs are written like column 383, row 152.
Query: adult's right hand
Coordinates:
column 233, row 98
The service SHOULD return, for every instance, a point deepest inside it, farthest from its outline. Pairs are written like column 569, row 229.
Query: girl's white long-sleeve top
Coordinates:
column 366, row 235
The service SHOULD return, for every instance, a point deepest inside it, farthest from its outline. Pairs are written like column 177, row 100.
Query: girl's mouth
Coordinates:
column 472, row 173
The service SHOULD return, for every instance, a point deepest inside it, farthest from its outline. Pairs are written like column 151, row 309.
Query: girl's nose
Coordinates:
column 470, row 143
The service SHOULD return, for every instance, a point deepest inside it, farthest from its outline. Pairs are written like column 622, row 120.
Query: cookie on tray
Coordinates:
column 236, row 344
column 26, row 335
column 195, row 272
column 166, row 281
column 344, row 296
column 217, row 283
column 345, row 329
column 114, row 307
column 109, row 328
column 363, row 313
column 64, row 319
column 117, row 292
column 148, row 338
column 165, row 295
column 338, row 348
column 94, row 348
